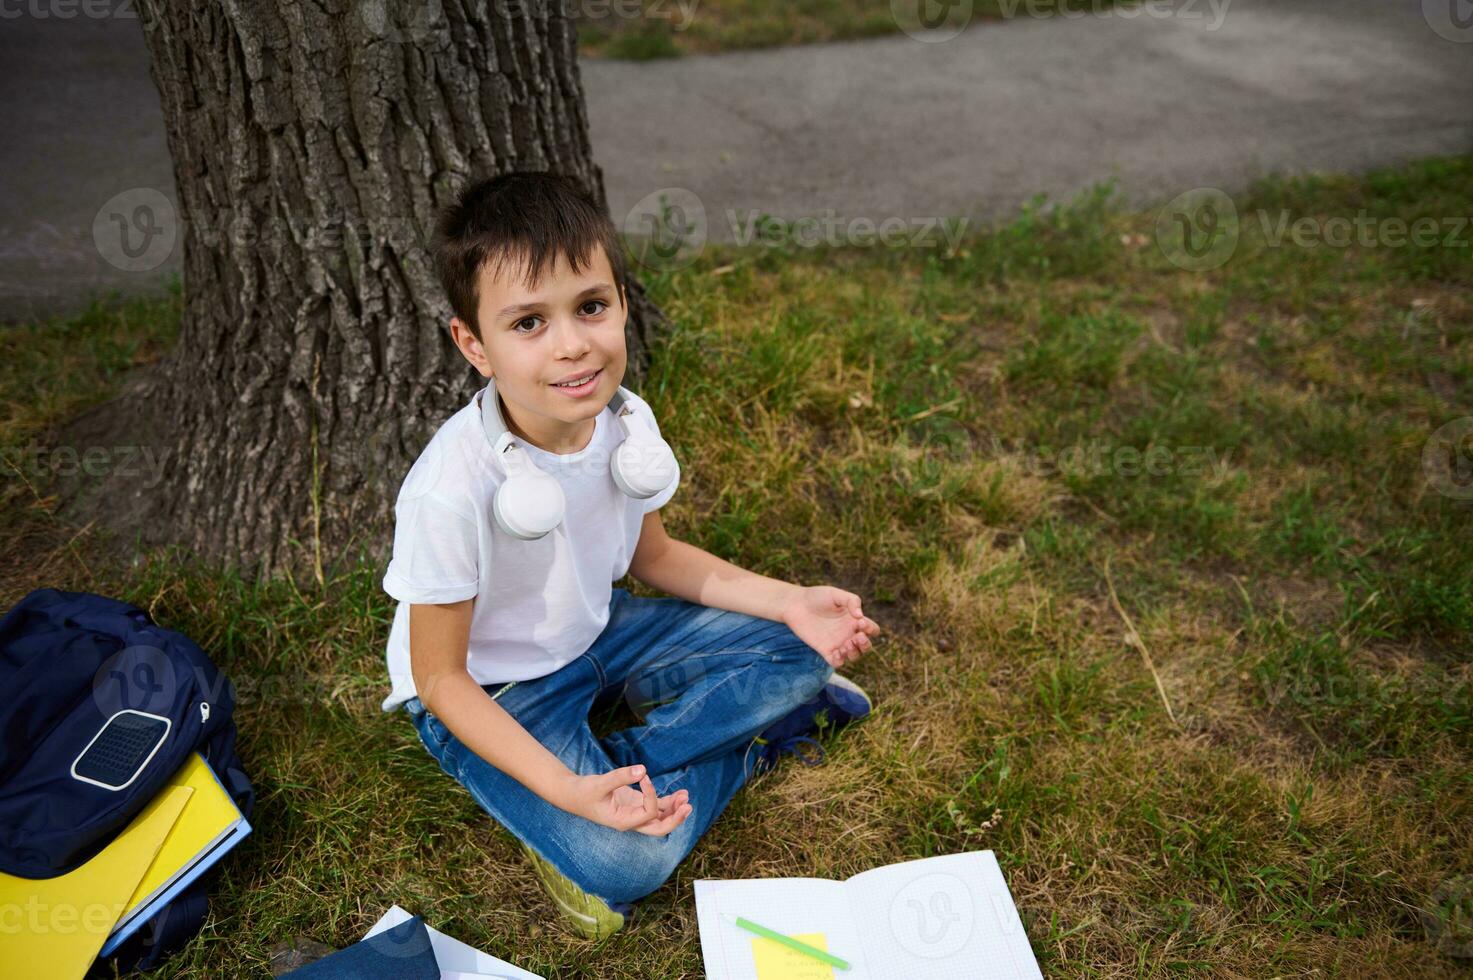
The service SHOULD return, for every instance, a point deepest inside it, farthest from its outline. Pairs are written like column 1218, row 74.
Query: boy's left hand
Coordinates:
column 831, row 621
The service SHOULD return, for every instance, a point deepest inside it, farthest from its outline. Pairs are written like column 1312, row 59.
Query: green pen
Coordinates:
column 787, row 941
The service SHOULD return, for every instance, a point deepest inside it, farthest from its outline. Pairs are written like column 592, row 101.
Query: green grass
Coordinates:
column 643, row 30
column 964, row 440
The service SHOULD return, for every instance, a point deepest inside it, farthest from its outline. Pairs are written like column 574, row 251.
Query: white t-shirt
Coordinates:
column 539, row 604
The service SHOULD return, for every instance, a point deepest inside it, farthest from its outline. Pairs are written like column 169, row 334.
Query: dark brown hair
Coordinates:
column 524, row 220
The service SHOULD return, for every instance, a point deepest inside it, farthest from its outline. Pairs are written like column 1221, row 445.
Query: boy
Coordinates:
column 503, row 642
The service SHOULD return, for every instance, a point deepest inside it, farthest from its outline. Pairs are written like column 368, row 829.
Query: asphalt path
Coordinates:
column 901, row 130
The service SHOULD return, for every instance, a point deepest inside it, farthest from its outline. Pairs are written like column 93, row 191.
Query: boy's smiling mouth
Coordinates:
column 581, row 383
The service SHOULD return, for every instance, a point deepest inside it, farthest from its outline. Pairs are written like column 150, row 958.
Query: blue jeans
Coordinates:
column 718, row 677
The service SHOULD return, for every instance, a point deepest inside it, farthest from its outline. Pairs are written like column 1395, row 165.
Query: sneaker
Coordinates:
column 840, row 703
column 588, row 915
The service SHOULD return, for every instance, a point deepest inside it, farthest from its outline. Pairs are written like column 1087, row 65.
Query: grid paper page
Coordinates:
column 942, row 918
column 788, row 905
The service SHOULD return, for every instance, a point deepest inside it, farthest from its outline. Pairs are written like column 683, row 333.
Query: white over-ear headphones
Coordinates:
column 529, row 503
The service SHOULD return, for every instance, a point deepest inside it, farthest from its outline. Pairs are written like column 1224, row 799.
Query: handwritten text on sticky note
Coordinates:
column 778, row 962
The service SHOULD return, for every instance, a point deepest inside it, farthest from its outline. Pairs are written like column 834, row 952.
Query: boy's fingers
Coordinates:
column 663, row 826
column 623, row 777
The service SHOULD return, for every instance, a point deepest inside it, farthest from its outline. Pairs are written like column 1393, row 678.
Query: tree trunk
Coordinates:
column 313, row 143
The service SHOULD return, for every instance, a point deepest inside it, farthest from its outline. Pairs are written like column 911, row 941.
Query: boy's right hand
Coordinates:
column 609, row 800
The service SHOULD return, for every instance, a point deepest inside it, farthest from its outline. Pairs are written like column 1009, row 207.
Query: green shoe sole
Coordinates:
column 588, row 915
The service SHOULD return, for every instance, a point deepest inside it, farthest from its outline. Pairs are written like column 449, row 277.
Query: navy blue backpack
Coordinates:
column 100, row 707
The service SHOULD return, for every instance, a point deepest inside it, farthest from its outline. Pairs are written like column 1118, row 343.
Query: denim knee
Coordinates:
column 793, row 678
column 790, row 647
column 628, row 865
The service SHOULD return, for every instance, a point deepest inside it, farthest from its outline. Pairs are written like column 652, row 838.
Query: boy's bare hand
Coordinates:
column 831, row 621
column 609, row 799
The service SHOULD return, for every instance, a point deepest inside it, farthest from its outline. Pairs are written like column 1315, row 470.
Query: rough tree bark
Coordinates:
column 313, row 141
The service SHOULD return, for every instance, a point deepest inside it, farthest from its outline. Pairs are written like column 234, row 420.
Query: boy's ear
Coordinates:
column 470, row 346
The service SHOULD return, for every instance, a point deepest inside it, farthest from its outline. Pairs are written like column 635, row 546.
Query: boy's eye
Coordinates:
column 591, row 308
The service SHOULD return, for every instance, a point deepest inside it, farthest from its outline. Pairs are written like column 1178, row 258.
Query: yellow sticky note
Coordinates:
column 53, row 927
column 778, row 962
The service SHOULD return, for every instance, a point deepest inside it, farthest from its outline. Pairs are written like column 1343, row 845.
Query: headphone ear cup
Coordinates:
column 643, row 465
column 528, row 505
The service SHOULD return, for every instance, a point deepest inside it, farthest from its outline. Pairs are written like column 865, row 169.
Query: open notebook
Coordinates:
column 948, row 918
column 457, row 961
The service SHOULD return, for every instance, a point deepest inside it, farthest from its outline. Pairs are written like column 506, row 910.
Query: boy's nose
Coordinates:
column 571, row 341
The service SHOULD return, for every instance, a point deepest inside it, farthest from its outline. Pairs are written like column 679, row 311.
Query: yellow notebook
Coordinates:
column 209, row 826
column 55, row 926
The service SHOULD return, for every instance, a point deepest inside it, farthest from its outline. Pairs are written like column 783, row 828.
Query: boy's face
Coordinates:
column 531, row 337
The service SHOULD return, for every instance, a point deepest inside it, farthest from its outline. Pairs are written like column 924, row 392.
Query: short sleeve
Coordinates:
column 663, row 497
column 436, row 552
